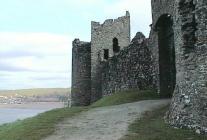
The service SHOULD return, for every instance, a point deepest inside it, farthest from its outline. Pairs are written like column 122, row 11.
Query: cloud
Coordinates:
column 4, row 75
column 19, row 53
column 11, row 68
column 86, row 3
column 43, row 48
column 25, row 49
column 43, row 55
column 35, row 42
column 58, row 77
column 34, row 80
column 140, row 11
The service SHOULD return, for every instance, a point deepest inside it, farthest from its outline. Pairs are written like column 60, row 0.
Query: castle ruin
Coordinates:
column 172, row 60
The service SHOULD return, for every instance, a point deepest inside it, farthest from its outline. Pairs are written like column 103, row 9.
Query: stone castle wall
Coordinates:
column 102, row 36
column 81, row 73
column 173, row 60
column 159, row 8
column 130, row 69
column 189, row 104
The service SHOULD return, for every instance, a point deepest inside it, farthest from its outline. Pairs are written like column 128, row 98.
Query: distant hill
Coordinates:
column 36, row 92
column 34, row 95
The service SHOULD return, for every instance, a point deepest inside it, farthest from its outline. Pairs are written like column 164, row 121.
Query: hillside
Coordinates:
column 33, row 95
column 36, row 92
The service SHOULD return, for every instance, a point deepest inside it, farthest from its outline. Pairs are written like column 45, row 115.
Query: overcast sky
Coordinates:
column 36, row 36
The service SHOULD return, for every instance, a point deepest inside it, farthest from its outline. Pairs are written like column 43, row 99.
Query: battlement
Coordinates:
column 107, row 40
column 78, row 43
column 109, row 22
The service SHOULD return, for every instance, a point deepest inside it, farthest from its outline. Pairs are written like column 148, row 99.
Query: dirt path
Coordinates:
column 105, row 123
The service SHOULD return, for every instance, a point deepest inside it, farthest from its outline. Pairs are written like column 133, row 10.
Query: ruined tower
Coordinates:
column 107, row 40
column 81, row 73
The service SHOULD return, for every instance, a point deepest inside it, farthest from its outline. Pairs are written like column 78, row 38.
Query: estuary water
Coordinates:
column 11, row 113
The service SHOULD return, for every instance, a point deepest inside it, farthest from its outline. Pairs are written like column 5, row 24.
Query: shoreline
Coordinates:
column 33, row 105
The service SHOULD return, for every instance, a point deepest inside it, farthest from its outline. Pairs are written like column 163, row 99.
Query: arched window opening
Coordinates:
column 116, row 47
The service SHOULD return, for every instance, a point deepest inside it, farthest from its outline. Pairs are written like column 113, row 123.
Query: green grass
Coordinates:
column 153, row 127
column 37, row 127
column 44, row 124
column 126, row 97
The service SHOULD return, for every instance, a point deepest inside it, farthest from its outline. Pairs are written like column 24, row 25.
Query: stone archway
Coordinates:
column 167, row 68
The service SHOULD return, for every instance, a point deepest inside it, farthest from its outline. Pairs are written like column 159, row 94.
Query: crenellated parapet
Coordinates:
column 107, row 40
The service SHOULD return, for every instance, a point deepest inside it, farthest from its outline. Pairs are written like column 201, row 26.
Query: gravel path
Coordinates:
column 105, row 123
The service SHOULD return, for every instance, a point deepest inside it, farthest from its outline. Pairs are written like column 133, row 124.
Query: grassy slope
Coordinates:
column 153, row 127
column 150, row 128
column 36, row 92
column 126, row 97
column 37, row 127
column 44, row 124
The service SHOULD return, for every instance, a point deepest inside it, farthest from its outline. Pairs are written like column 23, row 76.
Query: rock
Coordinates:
column 198, row 131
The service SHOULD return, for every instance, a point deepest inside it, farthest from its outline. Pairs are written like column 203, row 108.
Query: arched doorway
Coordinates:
column 167, row 68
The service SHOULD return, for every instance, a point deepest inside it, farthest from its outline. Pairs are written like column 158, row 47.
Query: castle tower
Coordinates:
column 107, row 40
column 179, row 46
column 81, row 73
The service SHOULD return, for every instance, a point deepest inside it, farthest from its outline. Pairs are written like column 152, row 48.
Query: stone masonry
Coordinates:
column 102, row 36
column 81, row 73
column 189, row 105
column 173, row 61
column 130, row 69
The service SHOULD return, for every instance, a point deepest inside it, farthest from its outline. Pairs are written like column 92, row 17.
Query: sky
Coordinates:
column 36, row 36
